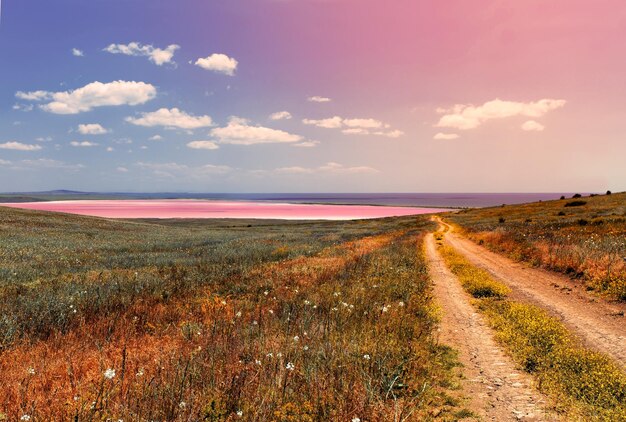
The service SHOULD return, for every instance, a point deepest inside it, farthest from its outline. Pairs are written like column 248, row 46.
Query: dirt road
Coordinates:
column 497, row 390
column 599, row 324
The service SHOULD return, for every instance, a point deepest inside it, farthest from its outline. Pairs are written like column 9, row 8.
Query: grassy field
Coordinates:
column 582, row 237
column 218, row 320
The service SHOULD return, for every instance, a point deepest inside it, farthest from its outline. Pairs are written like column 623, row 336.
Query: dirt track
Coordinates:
column 599, row 324
column 496, row 389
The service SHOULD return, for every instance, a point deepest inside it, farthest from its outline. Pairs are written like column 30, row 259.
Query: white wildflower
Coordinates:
column 356, row 419
column 182, row 404
column 385, row 308
column 109, row 373
column 25, row 418
column 401, row 304
column 296, row 339
column 240, row 413
column 266, row 293
column 290, row 366
column 31, row 371
column 238, row 314
column 366, row 357
column 140, row 372
column 258, row 362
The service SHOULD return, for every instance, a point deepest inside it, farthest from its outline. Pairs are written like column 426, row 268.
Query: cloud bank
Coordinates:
column 468, row 116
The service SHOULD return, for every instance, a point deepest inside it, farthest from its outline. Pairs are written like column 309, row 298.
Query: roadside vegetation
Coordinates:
column 584, row 238
column 218, row 321
column 584, row 384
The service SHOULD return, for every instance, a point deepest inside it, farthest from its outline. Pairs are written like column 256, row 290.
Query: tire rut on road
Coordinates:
column 599, row 324
column 497, row 390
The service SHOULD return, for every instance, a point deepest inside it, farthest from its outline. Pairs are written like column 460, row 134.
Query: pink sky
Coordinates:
column 465, row 96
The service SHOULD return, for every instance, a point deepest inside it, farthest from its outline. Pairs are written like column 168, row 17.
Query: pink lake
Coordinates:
column 183, row 208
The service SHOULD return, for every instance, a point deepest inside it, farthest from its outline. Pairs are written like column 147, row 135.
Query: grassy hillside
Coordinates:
column 583, row 237
column 217, row 320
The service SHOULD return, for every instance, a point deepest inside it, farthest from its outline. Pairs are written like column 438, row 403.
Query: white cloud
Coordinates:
column 171, row 118
column 202, row 145
column 468, row 116
column 356, row 131
column 355, row 126
column 18, row 146
column 445, row 136
column 219, row 63
column 91, row 129
column 42, row 139
column 330, row 123
column 95, row 94
column 307, row 144
column 77, row 53
column 4, row 162
column 122, row 169
column 33, row 95
column 532, row 125
column 363, row 123
column 23, row 107
column 318, row 99
column 83, row 144
column 155, row 138
column 280, row 115
column 330, row 167
column 156, row 55
column 240, row 132
column 390, row 134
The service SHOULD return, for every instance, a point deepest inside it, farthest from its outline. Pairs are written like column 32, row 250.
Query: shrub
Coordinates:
column 608, row 192
column 562, row 197
column 501, row 220
column 577, row 195
column 561, row 213
column 576, row 203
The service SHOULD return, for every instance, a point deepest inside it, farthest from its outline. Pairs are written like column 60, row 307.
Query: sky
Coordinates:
column 313, row 95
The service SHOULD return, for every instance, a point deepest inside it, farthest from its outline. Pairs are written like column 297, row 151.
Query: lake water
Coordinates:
column 184, row 208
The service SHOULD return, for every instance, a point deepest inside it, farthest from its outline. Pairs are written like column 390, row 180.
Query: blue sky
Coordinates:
column 219, row 96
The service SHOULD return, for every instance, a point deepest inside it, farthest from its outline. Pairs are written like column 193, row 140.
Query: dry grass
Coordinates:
column 192, row 321
column 587, row 241
column 584, row 384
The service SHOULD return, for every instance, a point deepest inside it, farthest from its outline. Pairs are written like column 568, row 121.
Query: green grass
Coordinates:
column 201, row 319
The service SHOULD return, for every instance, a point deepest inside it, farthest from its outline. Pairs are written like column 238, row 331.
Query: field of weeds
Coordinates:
column 582, row 237
column 217, row 321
